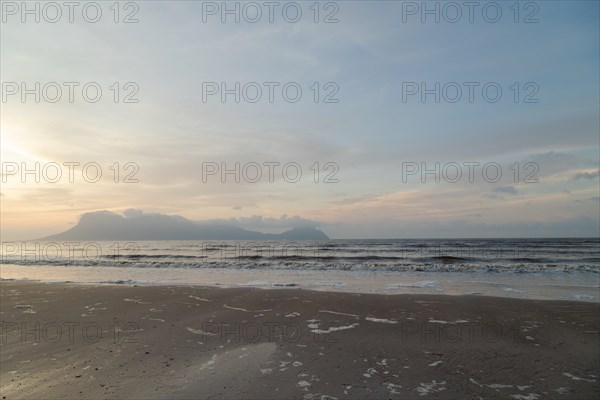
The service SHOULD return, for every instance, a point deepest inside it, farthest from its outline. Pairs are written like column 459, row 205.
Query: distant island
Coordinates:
column 107, row 225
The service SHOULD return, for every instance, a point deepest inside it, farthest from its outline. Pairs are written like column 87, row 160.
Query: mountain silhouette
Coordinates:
column 107, row 225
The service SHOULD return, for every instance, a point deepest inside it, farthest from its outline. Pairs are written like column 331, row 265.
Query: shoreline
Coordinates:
column 197, row 341
column 573, row 286
column 275, row 286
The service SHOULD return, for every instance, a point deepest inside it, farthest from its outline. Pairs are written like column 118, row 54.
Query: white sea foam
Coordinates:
column 458, row 321
column 338, row 313
column 137, row 301
column 583, row 297
column 381, row 320
column 333, row 329
column 529, row 396
column 431, row 387
column 245, row 310
column 577, row 378
column 200, row 332
column 419, row 285
column 198, row 298
column 292, row 315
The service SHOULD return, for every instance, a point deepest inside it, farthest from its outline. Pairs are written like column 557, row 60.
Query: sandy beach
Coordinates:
column 121, row 341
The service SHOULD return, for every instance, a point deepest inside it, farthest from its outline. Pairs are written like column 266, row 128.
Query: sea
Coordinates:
column 549, row 269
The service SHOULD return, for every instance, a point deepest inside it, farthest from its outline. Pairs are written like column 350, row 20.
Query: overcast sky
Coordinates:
column 371, row 61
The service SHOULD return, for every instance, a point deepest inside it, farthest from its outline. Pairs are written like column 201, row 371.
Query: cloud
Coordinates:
column 282, row 222
column 506, row 190
column 586, row 175
column 355, row 199
column 499, row 192
column 266, row 223
column 133, row 213
column 259, row 222
column 553, row 162
column 568, row 227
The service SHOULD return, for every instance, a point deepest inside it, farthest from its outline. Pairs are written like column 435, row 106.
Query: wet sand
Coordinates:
column 67, row 341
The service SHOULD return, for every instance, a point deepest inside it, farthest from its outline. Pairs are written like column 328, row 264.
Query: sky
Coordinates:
column 379, row 157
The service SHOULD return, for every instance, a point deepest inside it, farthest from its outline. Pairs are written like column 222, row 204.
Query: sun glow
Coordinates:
column 11, row 150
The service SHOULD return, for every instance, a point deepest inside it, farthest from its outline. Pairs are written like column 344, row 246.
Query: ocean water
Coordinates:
column 529, row 268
